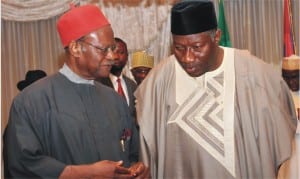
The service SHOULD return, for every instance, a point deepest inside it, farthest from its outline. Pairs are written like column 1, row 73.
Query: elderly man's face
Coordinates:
column 97, row 53
column 196, row 52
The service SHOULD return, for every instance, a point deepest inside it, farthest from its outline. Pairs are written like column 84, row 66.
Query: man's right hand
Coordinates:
column 110, row 169
column 102, row 169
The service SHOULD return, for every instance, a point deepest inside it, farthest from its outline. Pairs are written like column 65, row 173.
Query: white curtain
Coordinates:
column 32, row 10
column 29, row 39
column 141, row 28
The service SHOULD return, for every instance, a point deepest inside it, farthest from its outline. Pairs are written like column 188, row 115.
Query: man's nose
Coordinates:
column 188, row 55
column 111, row 55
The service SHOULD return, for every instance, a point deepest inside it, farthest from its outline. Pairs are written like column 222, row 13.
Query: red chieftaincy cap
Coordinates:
column 80, row 21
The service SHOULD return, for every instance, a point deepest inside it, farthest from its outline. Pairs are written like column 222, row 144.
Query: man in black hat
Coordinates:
column 212, row 112
column 31, row 76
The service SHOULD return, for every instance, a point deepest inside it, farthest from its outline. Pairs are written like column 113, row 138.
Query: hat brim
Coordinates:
column 22, row 84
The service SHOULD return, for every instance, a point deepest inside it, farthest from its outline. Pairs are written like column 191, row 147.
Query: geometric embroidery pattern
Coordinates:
column 201, row 116
column 206, row 119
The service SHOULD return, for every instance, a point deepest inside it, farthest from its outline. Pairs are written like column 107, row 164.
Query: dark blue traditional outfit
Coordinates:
column 66, row 120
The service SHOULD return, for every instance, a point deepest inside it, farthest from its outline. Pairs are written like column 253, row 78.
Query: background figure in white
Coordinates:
column 290, row 73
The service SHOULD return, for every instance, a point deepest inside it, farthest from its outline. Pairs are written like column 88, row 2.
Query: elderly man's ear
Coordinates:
column 76, row 49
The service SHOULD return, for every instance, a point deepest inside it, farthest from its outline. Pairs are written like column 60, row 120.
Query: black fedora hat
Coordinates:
column 31, row 76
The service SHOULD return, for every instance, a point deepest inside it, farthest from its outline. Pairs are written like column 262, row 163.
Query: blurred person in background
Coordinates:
column 290, row 73
column 141, row 64
column 122, row 84
column 31, row 76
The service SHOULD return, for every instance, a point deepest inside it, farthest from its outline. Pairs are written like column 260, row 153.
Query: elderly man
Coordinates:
column 141, row 64
column 212, row 112
column 67, row 125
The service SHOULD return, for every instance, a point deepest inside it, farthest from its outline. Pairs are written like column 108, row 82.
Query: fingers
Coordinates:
column 122, row 170
column 111, row 169
column 120, row 163
column 144, row 174
column 139, row 170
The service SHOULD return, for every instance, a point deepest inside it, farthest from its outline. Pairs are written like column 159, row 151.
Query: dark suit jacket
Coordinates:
column 131, row 87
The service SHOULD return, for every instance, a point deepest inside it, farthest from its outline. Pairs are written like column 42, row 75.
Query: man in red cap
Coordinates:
column 67, row 125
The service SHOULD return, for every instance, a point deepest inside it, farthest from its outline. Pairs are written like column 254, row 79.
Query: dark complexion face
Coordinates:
column 197, row 53
column 93, row 54
column 292, row 78
column 121, row 58
column 140, row 73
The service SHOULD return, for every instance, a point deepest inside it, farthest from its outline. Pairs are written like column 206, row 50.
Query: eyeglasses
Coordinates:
column 102, row 50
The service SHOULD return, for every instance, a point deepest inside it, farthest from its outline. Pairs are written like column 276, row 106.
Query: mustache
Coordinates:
column 186, row 65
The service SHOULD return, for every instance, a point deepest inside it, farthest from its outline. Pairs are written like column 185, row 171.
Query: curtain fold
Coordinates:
column 256, row 25
column 31, row 10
